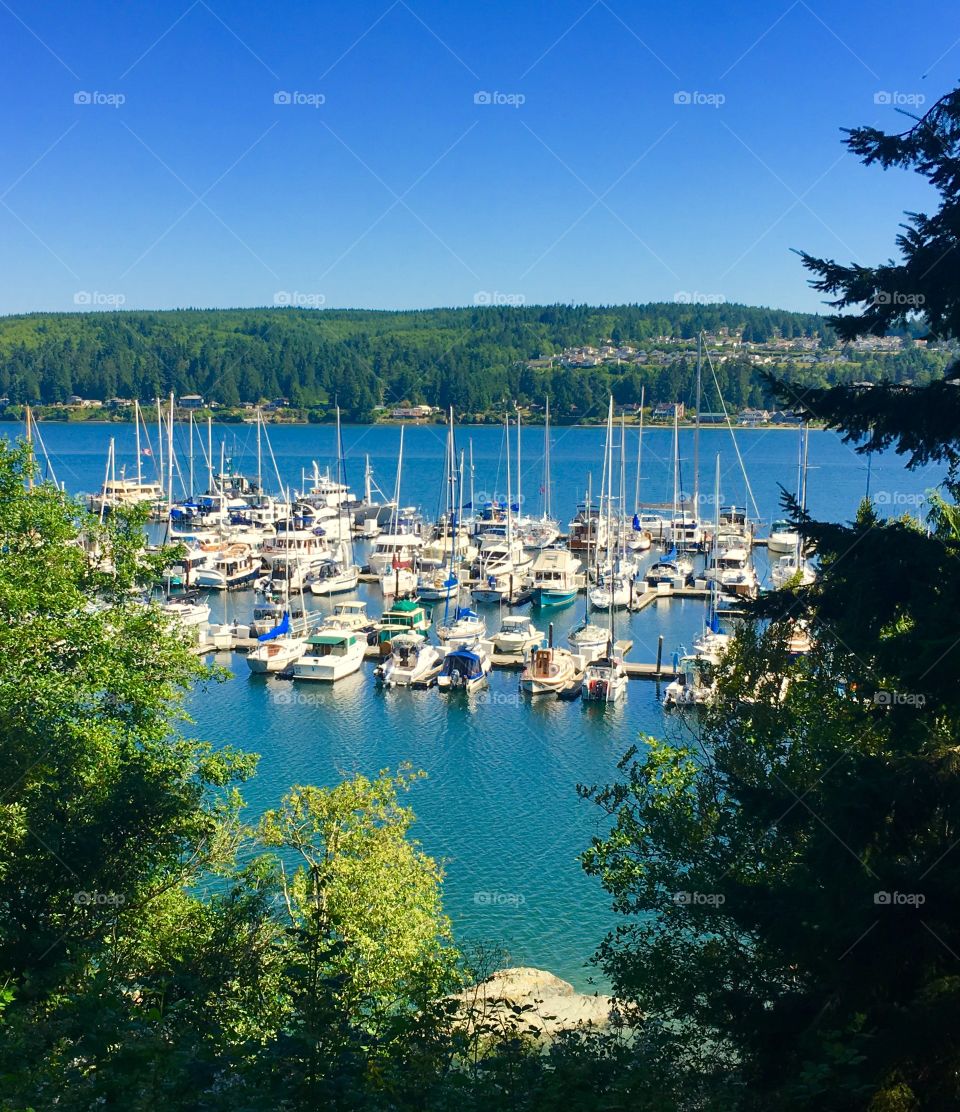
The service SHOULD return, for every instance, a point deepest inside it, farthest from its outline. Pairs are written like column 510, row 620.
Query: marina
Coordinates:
column 499, row 807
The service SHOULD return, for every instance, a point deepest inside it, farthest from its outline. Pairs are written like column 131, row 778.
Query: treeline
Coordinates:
column 471, row 358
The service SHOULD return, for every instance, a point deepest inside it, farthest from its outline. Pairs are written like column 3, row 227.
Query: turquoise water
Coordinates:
column 499, row 807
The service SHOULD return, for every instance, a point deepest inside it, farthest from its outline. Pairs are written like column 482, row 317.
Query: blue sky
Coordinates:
column 583, row 180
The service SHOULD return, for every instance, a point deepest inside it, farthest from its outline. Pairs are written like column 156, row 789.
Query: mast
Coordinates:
column 519, row 480
column 546, row 463
column 210, row 454
column 676, row 469
column 636, row 490
column 30, row 442
column 190, row 457
column 160, row 438
column 696, row 430
column 169, row 464
column 259, row 453
column 136, row 426
column 509, row 496
column 106, row 480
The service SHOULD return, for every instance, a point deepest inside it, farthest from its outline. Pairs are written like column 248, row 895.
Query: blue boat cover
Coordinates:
column 465, row 612
column 636, row 523
column 464, row 662
column 278, row 630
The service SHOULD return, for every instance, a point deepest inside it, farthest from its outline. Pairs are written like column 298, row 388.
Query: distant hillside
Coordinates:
column 472, row 358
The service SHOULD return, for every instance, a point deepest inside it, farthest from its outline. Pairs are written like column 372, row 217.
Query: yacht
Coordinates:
column 783, row 538
column 399, row 581
column 787, row 568
column 394, row 550
column 464, row 669
column 517, row 633
column 234, row 566
column 330, row 655
column 555, row 577
column 188, row 610
column 670, row 569
column 349, row 616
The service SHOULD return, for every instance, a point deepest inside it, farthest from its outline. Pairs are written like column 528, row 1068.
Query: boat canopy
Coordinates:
column 464, row 663
column 464, row 612
column 278, row 630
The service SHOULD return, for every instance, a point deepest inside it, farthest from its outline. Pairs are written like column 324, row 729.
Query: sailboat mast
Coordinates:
column 210, row 454
column 696, row 430
column 259, row 452
column 636, row 489
column 676, row 464
column 136, row 426
column 509, row 494
column 546, row 462
column 519, row 479
column 160, row 445
column 192, row 484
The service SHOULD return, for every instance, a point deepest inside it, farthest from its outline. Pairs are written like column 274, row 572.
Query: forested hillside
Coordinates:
column 471, row 358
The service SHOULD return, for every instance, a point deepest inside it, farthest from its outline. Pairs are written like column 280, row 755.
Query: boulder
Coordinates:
column 549, row 1005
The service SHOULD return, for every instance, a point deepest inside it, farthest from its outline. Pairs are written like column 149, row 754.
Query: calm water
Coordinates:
column 499, row 807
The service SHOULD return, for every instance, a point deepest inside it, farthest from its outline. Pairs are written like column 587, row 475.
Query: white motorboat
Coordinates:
column 186, row 611
column 783, row 538
column 787, row 569
column 394, row 550
column 466, row 629
column 695, row 684
column 464, row 669
column 517, row 633
column 411, row 660
column 234, row 566
column 329, row 655
column 604, row 679
column 548, row 671
column 555, row 577
column 399, row 582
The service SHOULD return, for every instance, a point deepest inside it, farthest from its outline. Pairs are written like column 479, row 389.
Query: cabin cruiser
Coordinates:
column 350, row 616
column 464, row 669
column 686, row 534
column 123, row 492
column 555, row 577
column 537, row 533
column 330, row 655
column 399, row 581
column 394, row 550
column 234, row 566
column 411, row 660
column 787, row 568
column 517, row 633
column 405, row 616
column 588, row 529
column 732, row 571
column 783, row 538
column 450, row 544
column 188, row 610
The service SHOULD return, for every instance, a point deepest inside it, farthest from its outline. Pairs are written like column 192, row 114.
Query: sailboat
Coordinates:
column 541, row 532
column 612, row 589
column 466, row 628
column 340, row 573
column 586, row 638
column 277, row 649
column 605, row 677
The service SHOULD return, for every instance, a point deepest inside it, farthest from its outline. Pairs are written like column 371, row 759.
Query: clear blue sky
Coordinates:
column 400, row 191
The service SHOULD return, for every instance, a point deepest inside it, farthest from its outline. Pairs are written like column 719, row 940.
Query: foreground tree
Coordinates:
column 789, row 875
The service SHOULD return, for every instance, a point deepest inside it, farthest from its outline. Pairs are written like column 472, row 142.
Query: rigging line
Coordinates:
column 736, row 446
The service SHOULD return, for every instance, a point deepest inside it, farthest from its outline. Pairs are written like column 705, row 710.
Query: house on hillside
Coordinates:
column 666, row 411
column 191, row 401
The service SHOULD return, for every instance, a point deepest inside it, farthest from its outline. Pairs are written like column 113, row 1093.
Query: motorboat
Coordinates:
column 234, row 566
column 788, row 569
column 605, row 679
column 555, row 577
column 394, row 550
column 411, row 661
column 464, row 669
column 330, row 655
column 783, row 538
column 188, row 610
column 349, row 616
column 517, row 633
column 400, row 581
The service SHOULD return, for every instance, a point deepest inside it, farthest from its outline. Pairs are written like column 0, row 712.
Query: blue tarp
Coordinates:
column 465, row 612
column 636, row 523
column 277, row 631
